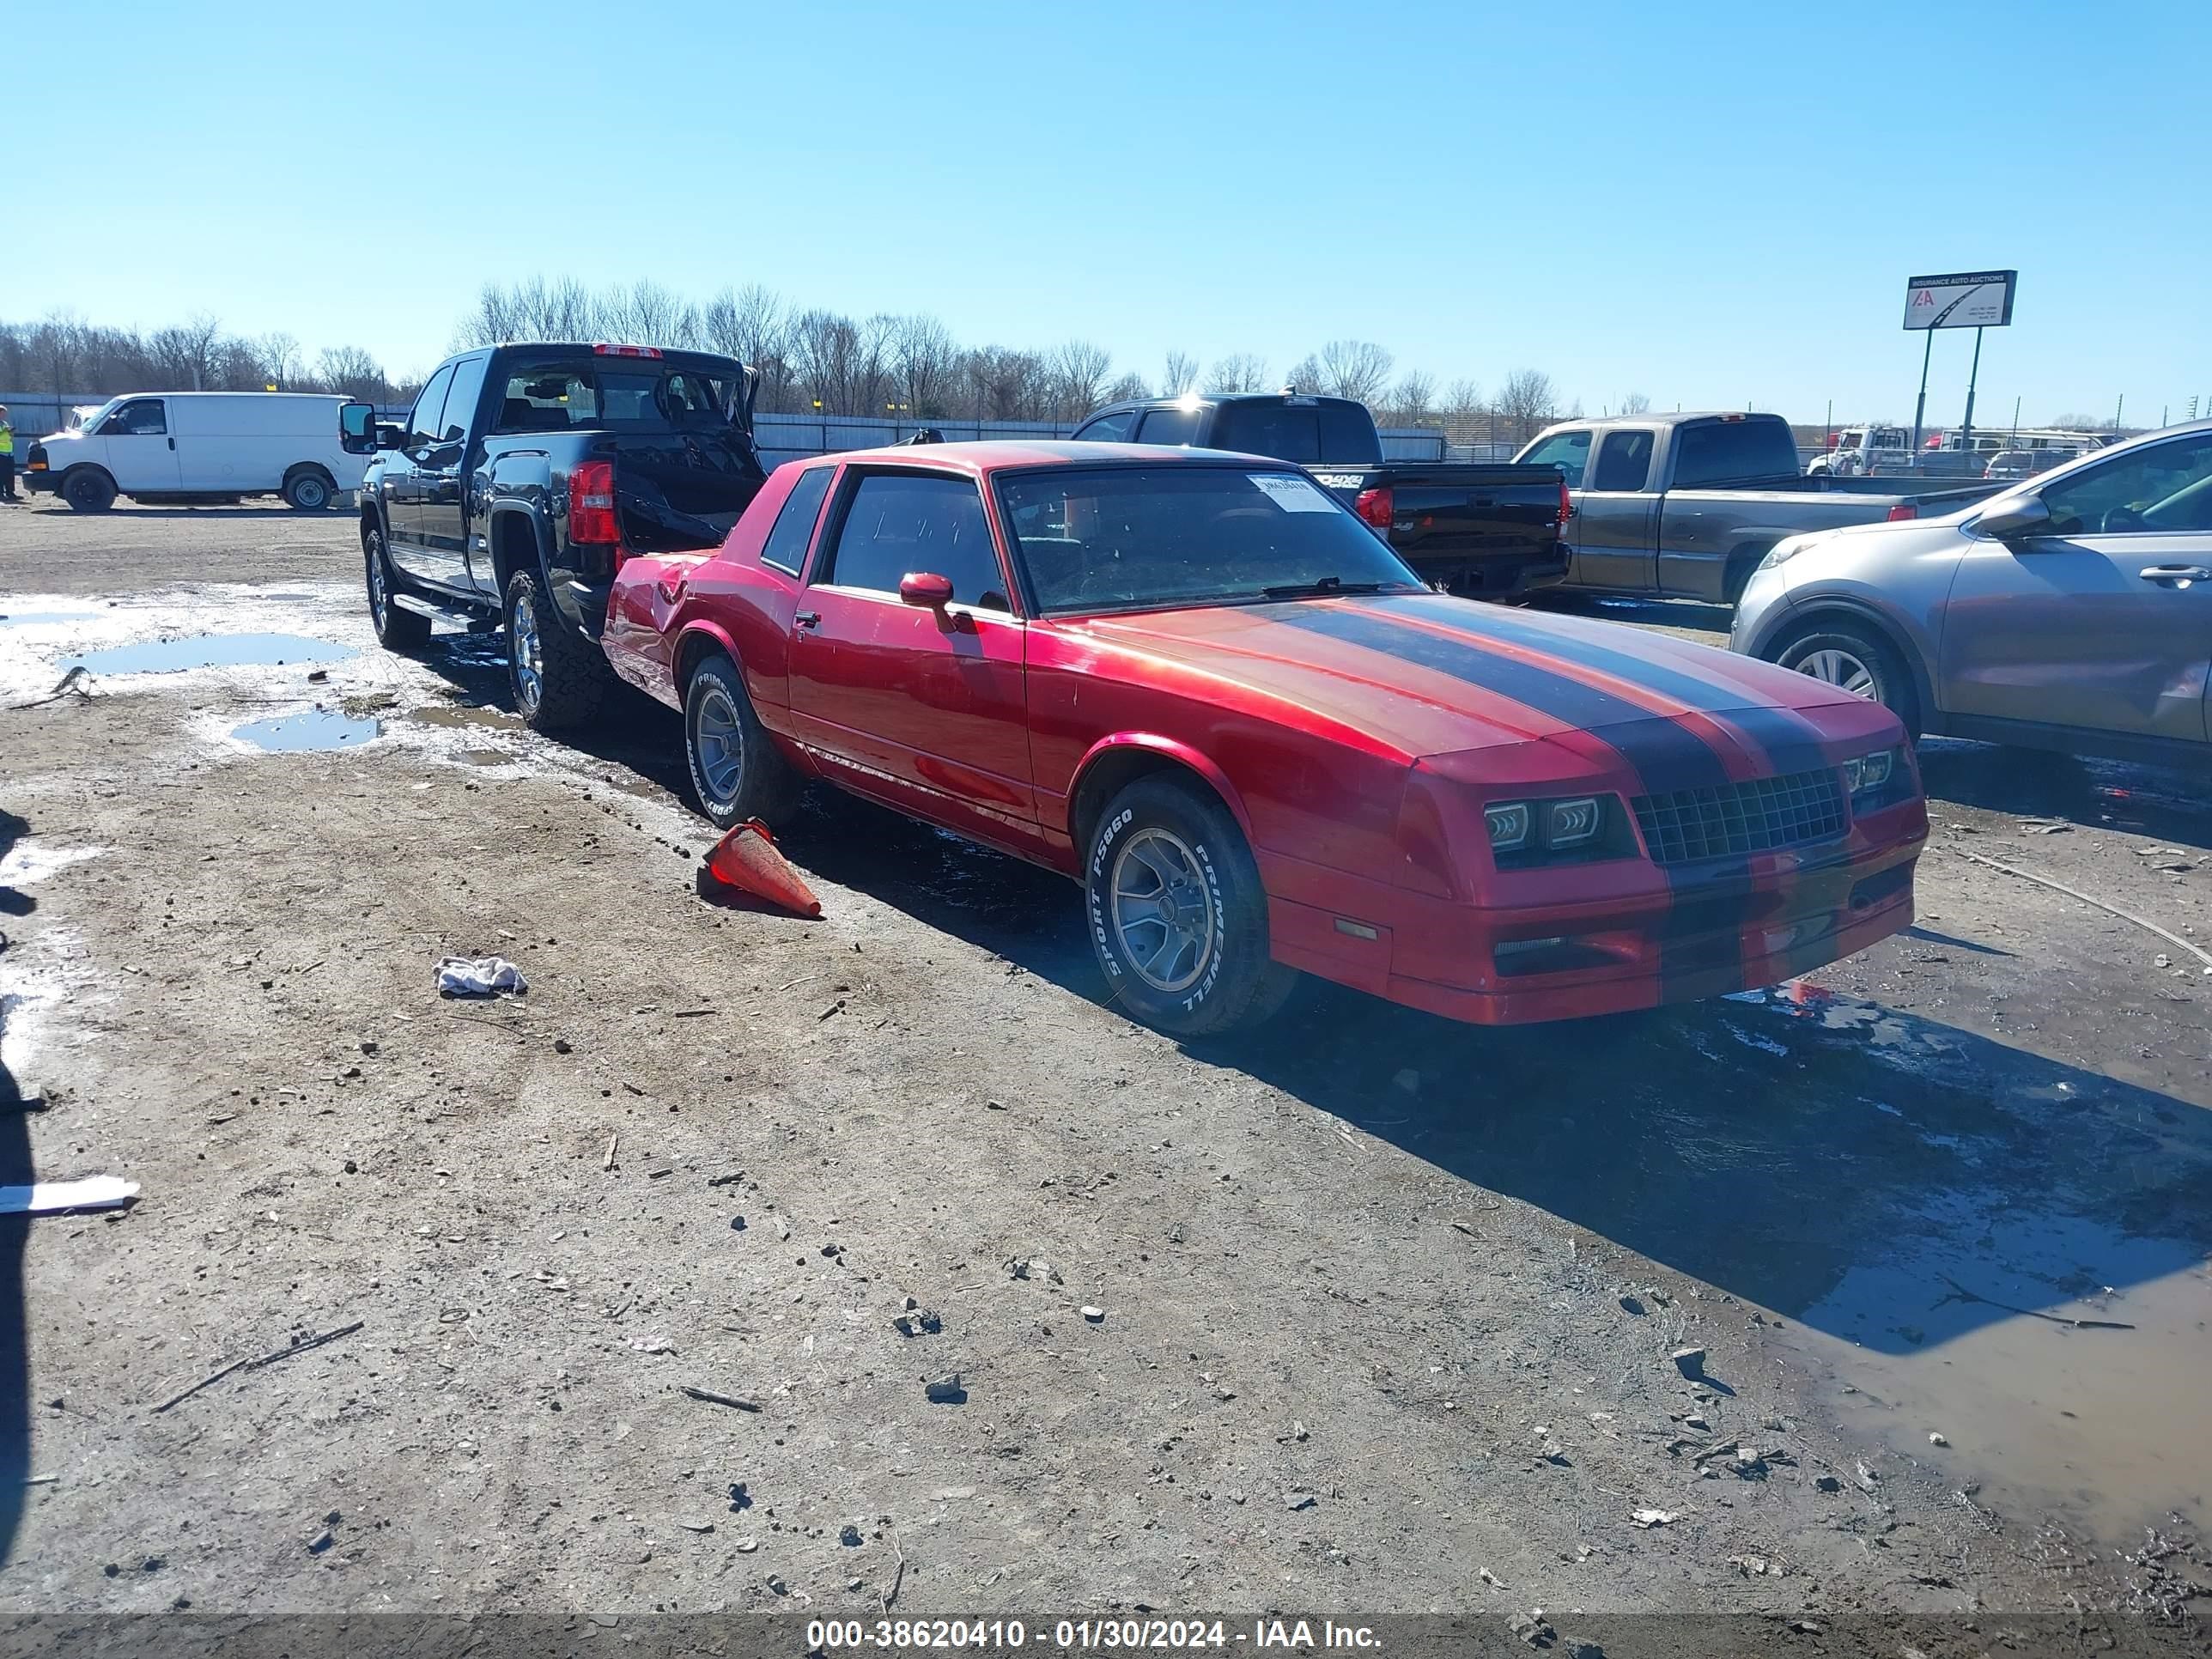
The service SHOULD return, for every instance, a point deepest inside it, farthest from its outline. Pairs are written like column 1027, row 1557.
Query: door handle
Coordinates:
column 2179, row 575
column 173, row 443
column 807, row 619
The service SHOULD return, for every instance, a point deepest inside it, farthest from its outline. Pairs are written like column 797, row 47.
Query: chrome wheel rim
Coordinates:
column 1162, row 910
column 1841, row 668
column 529, row 657
column 719, row 743
column 377, row 597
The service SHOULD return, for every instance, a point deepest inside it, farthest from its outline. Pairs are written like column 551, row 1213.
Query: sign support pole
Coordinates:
column 1920, row 408
column 1966, row 430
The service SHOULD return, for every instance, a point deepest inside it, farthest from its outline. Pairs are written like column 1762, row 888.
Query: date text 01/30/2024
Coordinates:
column 1086, row 1635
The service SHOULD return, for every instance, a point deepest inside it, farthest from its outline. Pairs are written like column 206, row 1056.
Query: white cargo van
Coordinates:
column 198, row 446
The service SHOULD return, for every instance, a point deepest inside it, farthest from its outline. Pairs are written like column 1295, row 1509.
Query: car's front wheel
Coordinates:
column 1177, row 916
column 737, row 771
column 397, row 629
column 1857, row 661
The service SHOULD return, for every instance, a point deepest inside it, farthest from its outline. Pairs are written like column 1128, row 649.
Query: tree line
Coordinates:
column 67, row 357
column 908, row 366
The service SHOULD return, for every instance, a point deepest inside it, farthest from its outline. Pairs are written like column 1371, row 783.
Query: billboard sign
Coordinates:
column 1967, row 299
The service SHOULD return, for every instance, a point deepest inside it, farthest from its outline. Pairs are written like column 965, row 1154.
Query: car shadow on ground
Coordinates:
column 15, row 1170
column 1885, row 1178
column 127, row 512
column 2168, row 803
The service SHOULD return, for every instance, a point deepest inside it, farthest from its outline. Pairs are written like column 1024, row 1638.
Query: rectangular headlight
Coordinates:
column 1572, row 823
column 1509, row 823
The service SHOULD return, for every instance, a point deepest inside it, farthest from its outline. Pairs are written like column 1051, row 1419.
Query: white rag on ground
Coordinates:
column 458, row 976
column 93, row 1193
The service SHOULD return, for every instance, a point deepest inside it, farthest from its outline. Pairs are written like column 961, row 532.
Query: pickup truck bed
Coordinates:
column 1483, row 530
column 1638, row 531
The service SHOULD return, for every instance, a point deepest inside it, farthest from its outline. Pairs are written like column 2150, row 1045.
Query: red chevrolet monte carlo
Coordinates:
column 1198, row 685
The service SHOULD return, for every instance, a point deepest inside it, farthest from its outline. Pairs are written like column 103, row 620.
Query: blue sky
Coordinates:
column 1712, row 204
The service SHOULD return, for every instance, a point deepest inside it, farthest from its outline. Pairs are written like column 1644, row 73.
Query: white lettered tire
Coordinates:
column 1177, row 914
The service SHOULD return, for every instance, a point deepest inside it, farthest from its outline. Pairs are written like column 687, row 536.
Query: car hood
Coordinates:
column 1427, row 676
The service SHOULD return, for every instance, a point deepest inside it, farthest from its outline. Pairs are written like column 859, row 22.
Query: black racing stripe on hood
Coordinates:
column 1789, row 741
column 1664, row 754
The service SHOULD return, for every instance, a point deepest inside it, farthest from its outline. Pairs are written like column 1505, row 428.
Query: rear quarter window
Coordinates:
column 787, row 545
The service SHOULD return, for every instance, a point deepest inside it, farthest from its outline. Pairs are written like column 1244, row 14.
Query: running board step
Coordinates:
column 474, row 621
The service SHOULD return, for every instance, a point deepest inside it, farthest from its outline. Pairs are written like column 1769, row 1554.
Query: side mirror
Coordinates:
column 2023, row 516
column 357, row 428
column 924, row 588
column 390, row 437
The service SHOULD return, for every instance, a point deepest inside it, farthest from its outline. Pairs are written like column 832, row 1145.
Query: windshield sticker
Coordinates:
column 1291, row 495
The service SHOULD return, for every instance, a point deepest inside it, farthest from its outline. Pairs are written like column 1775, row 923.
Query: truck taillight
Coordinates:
column 1903, row 511
column 605, row 349
column 592, row 503
column 1376, row 507
column 1566, row 506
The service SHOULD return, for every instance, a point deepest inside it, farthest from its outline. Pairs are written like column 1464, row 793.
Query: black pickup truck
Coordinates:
column 1483, row 530
column 523, row 477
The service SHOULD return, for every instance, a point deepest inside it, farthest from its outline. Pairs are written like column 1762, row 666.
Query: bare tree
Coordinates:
column 279, row 355
column 1305, row 375
column 1239, row 371
column 1181, row 375
column 185, row 354
column 354, row 372
column 1127, row 389
column 750, row 325
column 646, row 313
column 1525, row 403
column 1354, row 368
column 926, row 366
column 1413, row 400
column 1079, row 371
column 1462, row 402
column 1635, row 403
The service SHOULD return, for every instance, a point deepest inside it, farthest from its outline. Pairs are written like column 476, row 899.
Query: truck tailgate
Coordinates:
column 1469, row 507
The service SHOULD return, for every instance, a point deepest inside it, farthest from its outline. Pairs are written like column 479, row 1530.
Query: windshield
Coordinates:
column 1144, row 538
column 87, row 417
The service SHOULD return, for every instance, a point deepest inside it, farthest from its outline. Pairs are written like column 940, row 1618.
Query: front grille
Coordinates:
column 1684, row 825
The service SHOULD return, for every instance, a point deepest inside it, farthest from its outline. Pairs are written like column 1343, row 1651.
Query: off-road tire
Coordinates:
column 308, row 490
column 1235, row 985
column 396, row 629
column 569, row 681
column 718, row 714
column 1892, row 682
column 88, row 489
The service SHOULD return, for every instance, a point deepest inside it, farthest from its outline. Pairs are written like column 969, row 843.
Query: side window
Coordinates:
column 142, row 417
column 1168, row 426
column 1348, row 437
column 787, row 539
column 1624, row 461
column 899, row 524
column 422, row 425
column 2166, row 487
column 1568, row 451
column 461, row 400
column 1108, row 429
column 547, row 400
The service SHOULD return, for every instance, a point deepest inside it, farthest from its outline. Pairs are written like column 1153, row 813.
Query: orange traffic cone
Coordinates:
column 746, row 860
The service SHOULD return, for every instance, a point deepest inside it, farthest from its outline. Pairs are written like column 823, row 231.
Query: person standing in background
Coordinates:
column 7, row 458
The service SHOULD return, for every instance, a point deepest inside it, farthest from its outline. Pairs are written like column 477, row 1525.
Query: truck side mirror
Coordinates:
column 357, row 428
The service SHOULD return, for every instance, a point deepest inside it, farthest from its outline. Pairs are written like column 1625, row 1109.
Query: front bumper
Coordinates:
column 1680, row 934
column 40, row 482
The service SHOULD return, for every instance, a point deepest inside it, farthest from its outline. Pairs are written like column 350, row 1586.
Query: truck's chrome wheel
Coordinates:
column 1841, row 668
column 1162, row 910
column 721, row 743
column 377, row 598
column 529, row 656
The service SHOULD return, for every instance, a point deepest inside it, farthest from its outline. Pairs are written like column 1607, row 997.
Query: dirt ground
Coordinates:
column 1385, row 1305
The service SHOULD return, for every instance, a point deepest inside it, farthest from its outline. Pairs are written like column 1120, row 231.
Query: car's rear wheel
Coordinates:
column 737, row 771
column 1177, row 916
column 397, row 629
column 559, row 678
column 1857, row 661
column 307, row 492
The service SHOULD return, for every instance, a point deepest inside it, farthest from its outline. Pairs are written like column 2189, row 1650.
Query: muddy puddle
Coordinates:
column 208, row 650
column 311, row 729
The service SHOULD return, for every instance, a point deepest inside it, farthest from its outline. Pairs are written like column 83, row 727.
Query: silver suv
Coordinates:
column 2073, row 611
